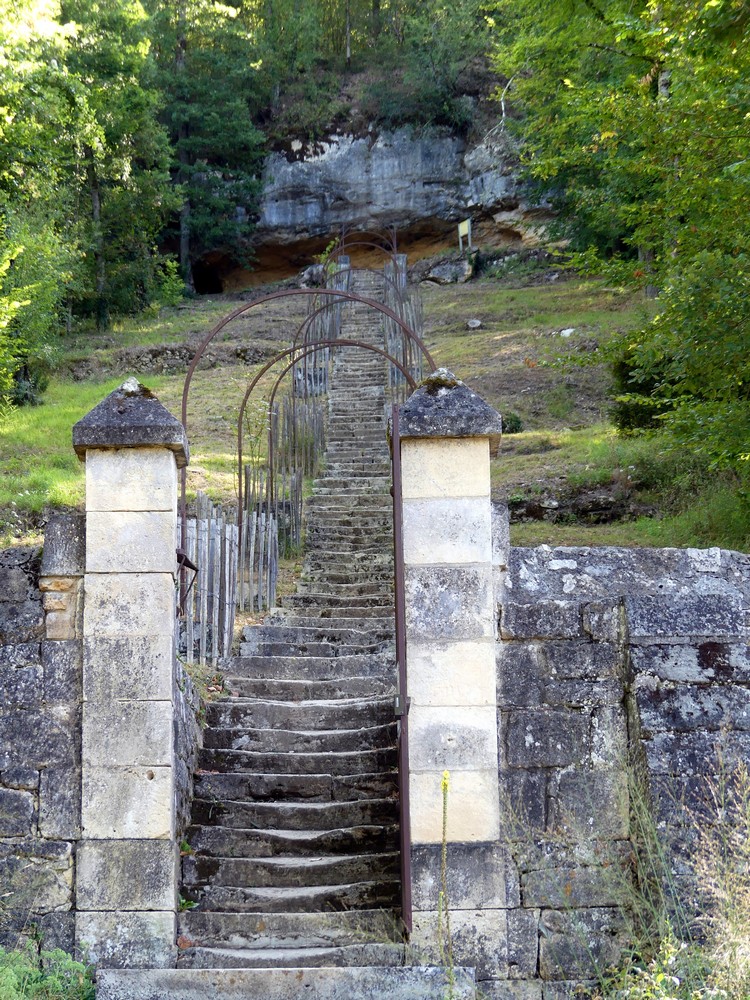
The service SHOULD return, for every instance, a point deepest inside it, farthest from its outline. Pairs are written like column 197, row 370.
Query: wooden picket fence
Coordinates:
column 205, row 628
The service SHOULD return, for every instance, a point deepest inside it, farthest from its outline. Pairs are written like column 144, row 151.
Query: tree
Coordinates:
column 123, row 158
column 634, row 124
column 208, row 72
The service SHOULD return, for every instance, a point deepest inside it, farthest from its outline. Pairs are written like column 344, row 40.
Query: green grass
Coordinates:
column 567, row 444
column 165, row 326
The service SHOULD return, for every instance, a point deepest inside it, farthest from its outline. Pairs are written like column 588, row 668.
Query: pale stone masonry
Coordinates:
column 127, row 878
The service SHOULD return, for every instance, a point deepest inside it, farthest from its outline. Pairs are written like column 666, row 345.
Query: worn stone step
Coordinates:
column 321, row 600
column 309, row 667
column 300, row 648
column 348, row 956
column 297, row 899
column 335, row 610
column 354, row 983
column 323, row 631
column 322, row 787
column 288, row 741
column 335, row 762
column 374, row 484
column 255, row 713
column 231, row 842
column 287, row 618
column 294, row 815
column 301, row 690
column 288, row 930
column 287, row 872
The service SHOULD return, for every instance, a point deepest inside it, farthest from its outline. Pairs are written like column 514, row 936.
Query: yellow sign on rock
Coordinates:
column 464, row 230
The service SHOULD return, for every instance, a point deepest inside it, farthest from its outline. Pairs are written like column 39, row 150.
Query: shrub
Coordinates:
column 51, row 975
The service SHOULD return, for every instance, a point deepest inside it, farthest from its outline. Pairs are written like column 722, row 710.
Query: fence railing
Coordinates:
column 205, row 626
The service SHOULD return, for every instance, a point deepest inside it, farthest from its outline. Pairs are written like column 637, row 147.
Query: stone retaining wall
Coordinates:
column 614, row 666
column 40, row 735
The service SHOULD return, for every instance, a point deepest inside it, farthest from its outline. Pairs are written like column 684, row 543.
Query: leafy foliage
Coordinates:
column 635, row 127
column 56, row 977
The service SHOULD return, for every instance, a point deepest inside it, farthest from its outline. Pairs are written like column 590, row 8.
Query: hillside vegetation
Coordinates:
column 569, row 476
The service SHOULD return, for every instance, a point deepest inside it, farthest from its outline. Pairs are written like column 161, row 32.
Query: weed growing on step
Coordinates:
column 445, row 942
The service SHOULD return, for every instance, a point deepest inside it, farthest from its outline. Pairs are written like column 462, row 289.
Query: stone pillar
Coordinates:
column 446, row 435
column 446, row 430
column 127, row 861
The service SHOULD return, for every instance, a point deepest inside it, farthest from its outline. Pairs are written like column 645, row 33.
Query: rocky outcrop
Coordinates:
column 397, row 178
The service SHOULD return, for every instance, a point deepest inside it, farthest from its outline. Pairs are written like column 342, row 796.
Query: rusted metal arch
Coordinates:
column 343, row 251
column 273, row 296
column 296, row 358
column 329, row 305
column 388, row 236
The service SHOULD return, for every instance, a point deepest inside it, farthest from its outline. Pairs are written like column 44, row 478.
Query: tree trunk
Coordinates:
column 100, row 275
column 348, row 34
column 376, row 19
column 186, row 266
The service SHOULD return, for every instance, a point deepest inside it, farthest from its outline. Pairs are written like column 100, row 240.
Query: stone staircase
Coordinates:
column 294, row 834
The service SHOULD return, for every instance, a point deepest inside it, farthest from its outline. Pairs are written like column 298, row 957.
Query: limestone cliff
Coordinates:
column 397, row 178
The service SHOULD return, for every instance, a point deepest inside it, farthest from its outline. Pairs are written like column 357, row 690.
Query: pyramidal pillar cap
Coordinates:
column 131, row 417
column 444, row 406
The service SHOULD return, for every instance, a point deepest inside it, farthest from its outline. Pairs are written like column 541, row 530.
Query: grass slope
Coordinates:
column 566, row 475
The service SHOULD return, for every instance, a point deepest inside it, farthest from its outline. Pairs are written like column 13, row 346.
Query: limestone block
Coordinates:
column 20, row 654
column 574, row 886
column 609, row 737
column 452, row 673
column 131, row 479
column 473, row 806
column 61, row 662
column 547, row 738
column 21, row 623
column 481, row 876
column 20, row 777
column 709, row 615
column 500, row 535
column 602, row 620
column 127, row 732
column 36, row 739
column 523, row 946
column 449, row 602
column 462, row 737
column 520, row 674
column 127, row 875
column 60, row 625
column 20, row 687
column 64, row 539
column 128, row 668
column 688, row 707
column 128, row 604
column 127, row 803
column 39, row 875
column 576, row 942
column 456, row 530
column 696, row 753
column 479, row 939
column 16, row 812
column 509, row 989
column 582, row 660
column 131, row 542
column 60, row 802
column 127, row 940
column 445, row 467
column 523, row 802
column 702, row 663
column 541, row 620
